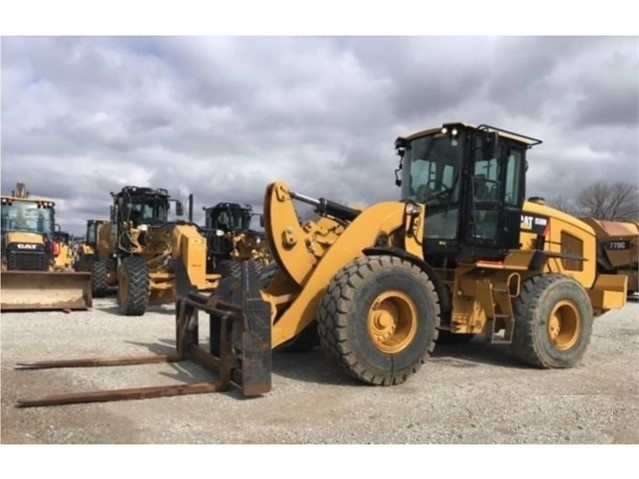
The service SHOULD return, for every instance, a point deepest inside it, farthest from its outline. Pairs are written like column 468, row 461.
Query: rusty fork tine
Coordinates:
column 101, row 362
column 123, row 394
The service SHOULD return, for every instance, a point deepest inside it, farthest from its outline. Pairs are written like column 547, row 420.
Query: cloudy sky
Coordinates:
column 222, row 116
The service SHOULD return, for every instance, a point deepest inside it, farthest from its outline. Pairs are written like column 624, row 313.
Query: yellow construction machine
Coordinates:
column 231, row 239
column 618, row 248
column 34, row 275
column 86, row 250
column 461, row 253
column 63, row 251
column 146, row 256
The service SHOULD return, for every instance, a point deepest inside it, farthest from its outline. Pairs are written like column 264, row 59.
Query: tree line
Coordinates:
column 604, row 201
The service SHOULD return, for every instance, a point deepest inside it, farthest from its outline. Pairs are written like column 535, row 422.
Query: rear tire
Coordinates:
column 229, row 268
column 378, row 319
column 99, row 276
column 133, row 286
column 553, row 321
column 304, row 342
column 233, row 268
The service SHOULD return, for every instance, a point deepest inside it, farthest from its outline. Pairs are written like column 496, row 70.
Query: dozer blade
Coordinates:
column 45, row 290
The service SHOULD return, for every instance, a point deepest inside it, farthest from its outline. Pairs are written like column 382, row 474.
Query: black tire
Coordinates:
column 229, row 268
column 304, row 342
column 378, row 319
column 99, row 275
column 82, row 264
column 133, row 286
column 553, row 321
column 233, row 268
column 446, row 338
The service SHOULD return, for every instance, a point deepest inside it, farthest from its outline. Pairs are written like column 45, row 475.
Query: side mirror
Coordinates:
column 179, row 208
column 262, row 221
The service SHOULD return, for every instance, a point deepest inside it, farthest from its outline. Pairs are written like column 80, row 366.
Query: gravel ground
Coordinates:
column 467, row 394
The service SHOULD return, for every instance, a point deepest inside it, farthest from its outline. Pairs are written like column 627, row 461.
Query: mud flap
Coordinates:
column 45, row 290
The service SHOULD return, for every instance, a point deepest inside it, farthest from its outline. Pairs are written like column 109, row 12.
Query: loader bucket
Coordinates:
column 44, row 290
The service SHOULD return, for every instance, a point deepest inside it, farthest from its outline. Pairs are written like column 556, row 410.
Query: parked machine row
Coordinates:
column 461, row 253
column 36, row 257
column 150, row 260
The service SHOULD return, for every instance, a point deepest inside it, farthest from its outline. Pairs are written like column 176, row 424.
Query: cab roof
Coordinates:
column 526, row 140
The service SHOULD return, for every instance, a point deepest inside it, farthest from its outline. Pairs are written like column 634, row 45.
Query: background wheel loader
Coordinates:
column 35, row 275
column 87, row 249
column 462, row 253
column 231, row 239
column 146, row 256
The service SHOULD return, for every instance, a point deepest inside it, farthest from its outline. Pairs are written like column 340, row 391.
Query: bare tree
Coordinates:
column 609, row 201
column 563, row 204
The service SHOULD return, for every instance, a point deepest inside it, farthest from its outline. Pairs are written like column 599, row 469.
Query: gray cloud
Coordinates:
column 221, row 117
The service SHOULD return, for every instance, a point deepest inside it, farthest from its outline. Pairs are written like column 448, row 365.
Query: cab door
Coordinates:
column 494, row 199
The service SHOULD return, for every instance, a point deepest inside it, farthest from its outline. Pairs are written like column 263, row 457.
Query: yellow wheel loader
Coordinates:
column 34, row 258
column 86, row 251
column 145, row 256
column 232, row 240
column 461, row 253
column 618, row 249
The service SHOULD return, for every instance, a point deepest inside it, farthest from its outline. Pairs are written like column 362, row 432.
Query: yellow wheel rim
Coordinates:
column 564, row 325
column 392, row 321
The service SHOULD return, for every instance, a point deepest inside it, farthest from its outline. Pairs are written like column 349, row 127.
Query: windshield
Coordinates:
column 433, row 164
column 27, row 216
column 230, row 219
column 148, row 209
column 91, row 233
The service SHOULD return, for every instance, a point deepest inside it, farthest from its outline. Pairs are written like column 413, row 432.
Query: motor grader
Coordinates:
column 618, row 248
column 461, row 253
column 231, row 239
column 34, row 256
column 146, row 256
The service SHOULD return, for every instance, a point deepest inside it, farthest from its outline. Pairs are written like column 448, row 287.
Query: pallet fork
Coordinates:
column 239, row 347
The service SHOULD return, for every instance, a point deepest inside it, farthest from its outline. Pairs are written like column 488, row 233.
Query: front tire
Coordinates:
column 553, row 321
column 233, row 268
column 133, row 286
column 99, row 278
column 378, row 319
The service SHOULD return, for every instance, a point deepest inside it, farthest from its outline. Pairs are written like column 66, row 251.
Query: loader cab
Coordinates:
column 30, row 216
column 141, row 206
column 471, row 180
column 91, row 235
column 222, row 222
column 228, row 217
column 27, row 228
